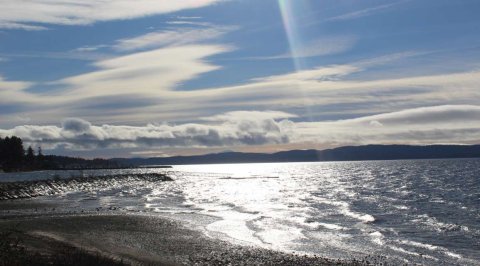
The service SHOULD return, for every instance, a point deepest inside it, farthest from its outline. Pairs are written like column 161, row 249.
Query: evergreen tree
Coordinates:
column 30, row 157
column 13, row 153
column 2, row 151
column 39, row 152
column 40, row 158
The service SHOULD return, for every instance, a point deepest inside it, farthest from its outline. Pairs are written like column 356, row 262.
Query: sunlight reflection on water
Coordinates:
column 410, row 210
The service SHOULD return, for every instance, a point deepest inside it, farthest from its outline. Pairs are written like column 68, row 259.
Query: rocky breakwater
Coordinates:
column 30, row 189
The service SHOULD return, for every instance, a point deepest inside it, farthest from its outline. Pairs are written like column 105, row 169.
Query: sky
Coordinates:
column 145, row 78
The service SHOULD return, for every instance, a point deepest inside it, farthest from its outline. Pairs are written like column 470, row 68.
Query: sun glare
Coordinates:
column 290, row 11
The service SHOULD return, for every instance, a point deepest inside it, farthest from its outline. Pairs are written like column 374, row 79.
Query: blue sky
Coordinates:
column 159, row 78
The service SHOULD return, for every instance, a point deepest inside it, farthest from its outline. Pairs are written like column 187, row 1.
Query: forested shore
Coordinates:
column 15, row 158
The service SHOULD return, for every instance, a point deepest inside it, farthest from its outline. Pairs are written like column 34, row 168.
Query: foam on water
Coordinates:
column 295, row 211
column 409, row 211
column 377, row 238
column 332, row 226
column 233, row 225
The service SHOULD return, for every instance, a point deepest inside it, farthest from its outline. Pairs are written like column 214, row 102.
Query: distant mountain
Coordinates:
column 348, row 153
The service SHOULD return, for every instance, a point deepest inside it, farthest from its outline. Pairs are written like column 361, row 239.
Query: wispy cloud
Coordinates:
column 365, row 12
column 189, row 17
column 385, row 59
column 190, row 23
column 172, row 37
column 247, row 115
column 318, row 88
column 151, row 73
column 91, row 48
column 29, row 14
column 152, row 82
column 20, row 26
column 426, row 125
column 77, row 54
column 13, row 100
column 10, row 90
column 319, row 47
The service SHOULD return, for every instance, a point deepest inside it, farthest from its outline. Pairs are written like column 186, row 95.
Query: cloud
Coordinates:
column 12, row 85
column 453, row 115
column 425, row 125
column 247, row 115
column 10, row 90
column 76, row 125
column 91, row 48
column 364, row 12
column 20, row 26
column 190, row 23
column 319, row 47
column 388, row 58
column 147, row 86
column 76, row 133
column 188, row 17
column 28, row 14
column 458, row 124
column 22, row 119
column 149, row 73
column 82, row 53
column 332, row 72
column 172, row 37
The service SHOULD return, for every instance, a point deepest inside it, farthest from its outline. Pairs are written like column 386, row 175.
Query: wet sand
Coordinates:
column 139, row 239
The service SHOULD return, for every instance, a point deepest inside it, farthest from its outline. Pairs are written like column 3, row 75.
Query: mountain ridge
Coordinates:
column 345, row 153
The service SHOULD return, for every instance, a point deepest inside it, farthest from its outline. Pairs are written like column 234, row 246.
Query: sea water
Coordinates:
column 412, row 211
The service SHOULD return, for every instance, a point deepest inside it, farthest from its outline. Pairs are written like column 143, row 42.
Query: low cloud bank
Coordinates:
column 229, row 130
column 427, row 125
column 454, row 124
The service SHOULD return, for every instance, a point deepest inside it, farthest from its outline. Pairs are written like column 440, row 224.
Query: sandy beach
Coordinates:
column 135, row 239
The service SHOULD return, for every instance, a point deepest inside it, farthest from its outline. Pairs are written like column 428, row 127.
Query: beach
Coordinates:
column 339, row 213
column 246, row 132
column 137, row 239
column 45, row 234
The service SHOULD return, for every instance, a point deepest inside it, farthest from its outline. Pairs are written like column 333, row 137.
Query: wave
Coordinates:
column 420, row 245
column 333, row 226
column 430, row 248
column 440, row 226
column 377, row 238
column 30, row 189
column 247, row 177
column 363, row 217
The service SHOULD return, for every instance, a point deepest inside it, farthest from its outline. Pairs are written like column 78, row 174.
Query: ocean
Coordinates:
column 410, row 211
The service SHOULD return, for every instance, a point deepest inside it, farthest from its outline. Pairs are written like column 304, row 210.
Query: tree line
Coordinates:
column 13, row 156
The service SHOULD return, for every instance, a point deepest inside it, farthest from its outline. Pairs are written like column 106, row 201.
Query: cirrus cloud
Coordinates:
column 27, row 14
column 172, row 37
column 148, row 73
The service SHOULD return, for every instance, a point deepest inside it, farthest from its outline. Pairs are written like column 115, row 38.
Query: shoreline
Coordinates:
column 43, row 187
column 129, row 217
column 139, row 239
